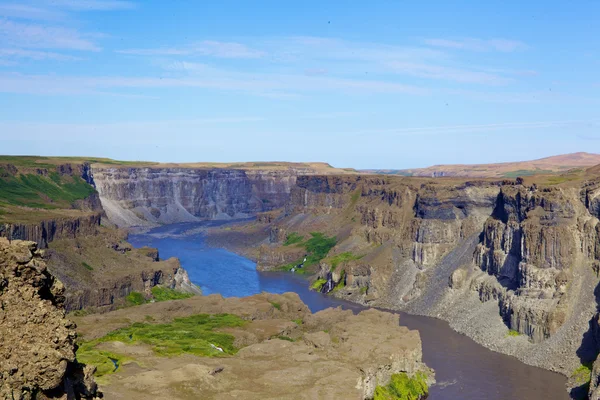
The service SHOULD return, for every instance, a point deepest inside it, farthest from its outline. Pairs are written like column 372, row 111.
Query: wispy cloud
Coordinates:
column 35, row 55
column 503, row 45
column 29, row 35
column 259, row 84
column 448, row 73
column 476, row 128
column 204, row 48
column 92, row 5
column 26, row 11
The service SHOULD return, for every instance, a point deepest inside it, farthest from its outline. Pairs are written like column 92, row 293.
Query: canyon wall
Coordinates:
column 500, row 260
column 146, row 196
column 45, row 231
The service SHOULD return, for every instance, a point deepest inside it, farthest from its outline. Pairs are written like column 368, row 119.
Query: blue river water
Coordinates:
column 464, row 369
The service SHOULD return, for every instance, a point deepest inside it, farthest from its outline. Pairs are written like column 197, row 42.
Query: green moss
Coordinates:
column 342, row 282
column 341, row 258
column 298, row 321
column 193, row 335
column 512, row 333
column 87, row 266
column 163, row 294
column 317, row 248
column 276, row 305
column 363, row 290
column 402, row 387
column 106, row 362
column 318, row 284
column 293, row 238
column 135, row 299
column 583, row 373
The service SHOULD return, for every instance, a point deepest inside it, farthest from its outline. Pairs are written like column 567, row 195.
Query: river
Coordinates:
column 464, row 369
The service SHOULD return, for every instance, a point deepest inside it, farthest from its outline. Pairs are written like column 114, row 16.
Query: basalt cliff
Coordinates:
column 511, row 263
column 138, row 196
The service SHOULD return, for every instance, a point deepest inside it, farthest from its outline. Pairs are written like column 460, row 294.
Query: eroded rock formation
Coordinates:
column 37, row 344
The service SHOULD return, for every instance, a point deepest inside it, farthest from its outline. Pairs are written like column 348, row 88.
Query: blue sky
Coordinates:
column 378, row 84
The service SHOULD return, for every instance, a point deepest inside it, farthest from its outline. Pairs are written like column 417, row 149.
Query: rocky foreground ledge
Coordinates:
column 37, row 342
column 260, row 347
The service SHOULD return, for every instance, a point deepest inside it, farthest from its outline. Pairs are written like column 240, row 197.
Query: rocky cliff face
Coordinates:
column 142, row 196
column 99, row 271
column 37, row 349
column 488, row 256
column 47, row 230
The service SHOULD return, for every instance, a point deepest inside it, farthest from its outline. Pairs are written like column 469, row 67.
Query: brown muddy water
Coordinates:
column 464, row 369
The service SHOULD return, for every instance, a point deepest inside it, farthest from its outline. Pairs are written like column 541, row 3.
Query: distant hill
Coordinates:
column 548, row 165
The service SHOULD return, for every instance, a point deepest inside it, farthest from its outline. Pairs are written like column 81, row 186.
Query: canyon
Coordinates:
column 511, row 262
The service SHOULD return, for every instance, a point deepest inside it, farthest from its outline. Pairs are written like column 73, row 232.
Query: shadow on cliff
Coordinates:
column 589, row 348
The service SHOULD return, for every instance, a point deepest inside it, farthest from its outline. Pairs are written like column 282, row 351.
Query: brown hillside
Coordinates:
column 548, row 165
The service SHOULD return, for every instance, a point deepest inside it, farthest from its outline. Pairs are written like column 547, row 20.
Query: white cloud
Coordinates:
column 503, row 45
column 447, row 73
column 205, row 48
column 29, row 35
column 35, row 55
column 478, row 128
column 259, row 84
column 92, row 5
column 24, row 11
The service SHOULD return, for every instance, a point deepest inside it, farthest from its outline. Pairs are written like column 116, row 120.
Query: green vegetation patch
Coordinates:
column 557, row 180
column 163, row 294
column 512, row 333
column 318, row 284
column 194, row 335
column 41, row 191
column 402, row 387
column 583, row 373
column 318, row 247
column 341, row 258
column 106, row 362
column 293, row 238
column 276, row 305
column 135, row 299
column 342, row 283
column 87, row 266
column 526, row 172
